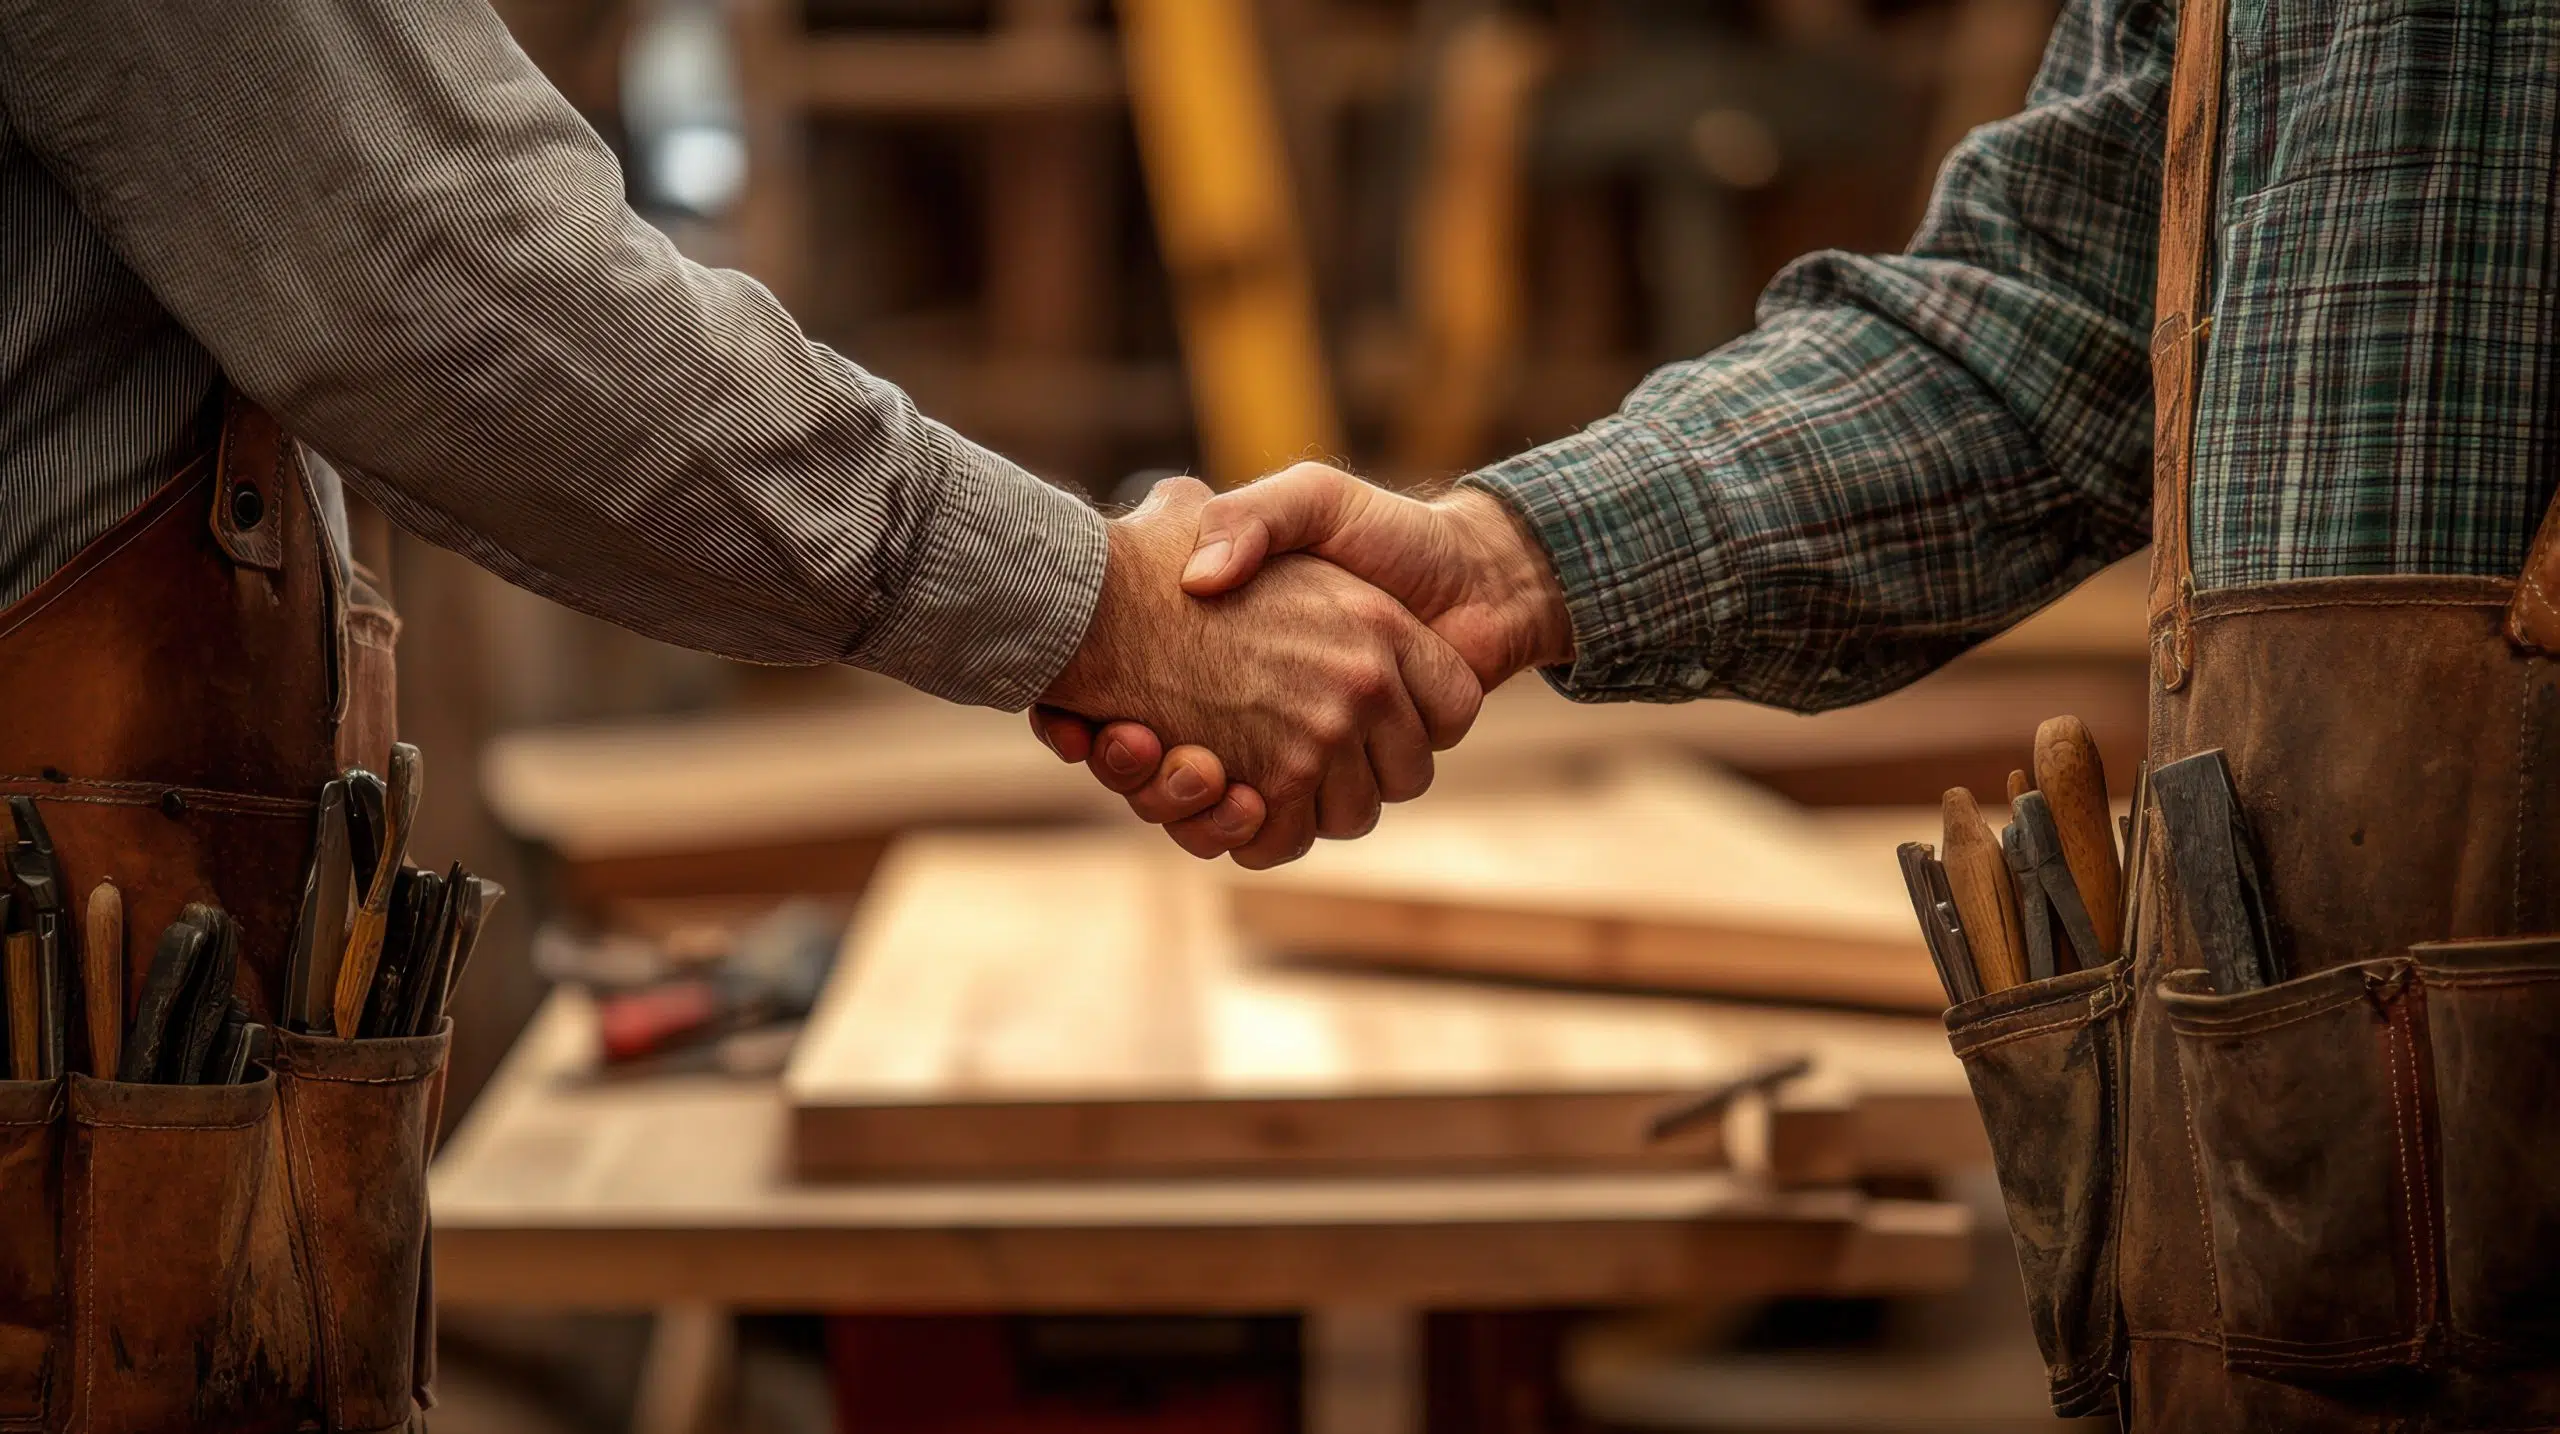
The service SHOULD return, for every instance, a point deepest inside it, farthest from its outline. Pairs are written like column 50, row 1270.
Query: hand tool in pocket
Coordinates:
column 26, row 1007
column 320, row 928
column 408, row 937
column 365, row 801
column 102, row 978
column 1978, row 877
column 470, row 917
column 2074, row 783
column 422, row 995
column 159, row 1010
column 364, row 936
column 39, row 912
column 237, row 1047
column 1940, row 928
column 2048, row 893
column 2035, row 914
column 2215, row 866
column 207, row 1000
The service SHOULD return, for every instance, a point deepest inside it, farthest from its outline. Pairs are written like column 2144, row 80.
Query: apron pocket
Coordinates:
column 356, row 1126
column 2314, row 1137
column 2493, row 1017
column 2045, row 1061
column 30, row 1266
column 190, row 1311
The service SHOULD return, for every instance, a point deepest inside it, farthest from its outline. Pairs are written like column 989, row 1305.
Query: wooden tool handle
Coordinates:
column 364, row 934
column 102, row 979
column 26, row 1010
column 2074, row 784
column 1978, row 877
column 2019, row 786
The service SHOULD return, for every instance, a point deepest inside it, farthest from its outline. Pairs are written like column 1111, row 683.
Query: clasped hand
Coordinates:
column 1267, row 666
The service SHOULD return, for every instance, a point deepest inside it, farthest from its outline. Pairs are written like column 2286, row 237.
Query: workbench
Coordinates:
column 567, row 1190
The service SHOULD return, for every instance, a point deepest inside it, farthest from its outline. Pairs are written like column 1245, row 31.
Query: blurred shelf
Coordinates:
column 958, row 76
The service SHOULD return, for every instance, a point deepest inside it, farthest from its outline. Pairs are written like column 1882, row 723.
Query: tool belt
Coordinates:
column 2290, row 1162
column 240, row 1256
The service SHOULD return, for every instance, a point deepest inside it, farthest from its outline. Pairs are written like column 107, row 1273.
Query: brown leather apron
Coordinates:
column 2332, row 1203
column 209, row 1257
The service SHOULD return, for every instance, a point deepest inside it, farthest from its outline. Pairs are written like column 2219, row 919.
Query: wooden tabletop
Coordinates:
column 1082, row 1003
column 563, row 1190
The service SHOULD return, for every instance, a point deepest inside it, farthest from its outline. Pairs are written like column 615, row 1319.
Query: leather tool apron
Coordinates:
column 2341, row 1195
column 209, row 1257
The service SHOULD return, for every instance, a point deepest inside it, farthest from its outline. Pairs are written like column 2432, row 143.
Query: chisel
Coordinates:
column 2213, row 865
column 2074, row 783
column 102, row 979
column 320, row 926
column 1978, row 877
column 364, row 938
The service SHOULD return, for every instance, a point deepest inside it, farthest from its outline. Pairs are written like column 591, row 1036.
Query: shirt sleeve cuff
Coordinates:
column 1002, row 590
column 1639, row 550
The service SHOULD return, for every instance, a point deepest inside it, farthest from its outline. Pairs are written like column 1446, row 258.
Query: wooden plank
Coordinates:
column 1667, row 875
column 564, row 1191
column 1025, row 1003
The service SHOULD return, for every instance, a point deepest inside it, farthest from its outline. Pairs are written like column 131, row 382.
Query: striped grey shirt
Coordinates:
column 377, row 219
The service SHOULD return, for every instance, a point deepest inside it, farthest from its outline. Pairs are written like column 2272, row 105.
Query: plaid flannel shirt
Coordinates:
column 1913, row 452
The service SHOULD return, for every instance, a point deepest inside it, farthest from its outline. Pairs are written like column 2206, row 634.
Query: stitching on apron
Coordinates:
column 2195, row 1167
column 111, row 793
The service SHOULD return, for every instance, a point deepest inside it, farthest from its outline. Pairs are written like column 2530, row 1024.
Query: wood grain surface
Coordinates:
column 1081, row 1003
column 1665, row 874
column 563, row 1190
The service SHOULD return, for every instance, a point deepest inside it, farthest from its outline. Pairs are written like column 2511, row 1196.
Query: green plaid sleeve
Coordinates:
column 1910, row 452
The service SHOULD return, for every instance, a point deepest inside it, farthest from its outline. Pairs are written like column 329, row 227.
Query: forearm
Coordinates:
column 1911, row 452
column 388, row 228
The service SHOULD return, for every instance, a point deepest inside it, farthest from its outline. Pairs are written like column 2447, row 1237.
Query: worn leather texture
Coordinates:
column 355, row 1119
column 2335, row 1188
column 2045, row 1061
column 229, row 1259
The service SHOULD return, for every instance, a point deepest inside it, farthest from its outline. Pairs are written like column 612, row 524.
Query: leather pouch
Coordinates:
column 2493, row 1022
column 356, row 1122
column 2046, row 1063
column 188, row 1310
column 2315, row 1130
column 30, row 1264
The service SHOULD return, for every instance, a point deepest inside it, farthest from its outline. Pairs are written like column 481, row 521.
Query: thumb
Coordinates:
column 1298, row 507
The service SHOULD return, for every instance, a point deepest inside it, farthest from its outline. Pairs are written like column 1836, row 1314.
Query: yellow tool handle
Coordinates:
column 26, row 1013
column 1978, row 877
column 102, row 979
column 2074, row 783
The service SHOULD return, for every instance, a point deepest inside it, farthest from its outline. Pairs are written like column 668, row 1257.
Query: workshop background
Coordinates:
column 1117, row 240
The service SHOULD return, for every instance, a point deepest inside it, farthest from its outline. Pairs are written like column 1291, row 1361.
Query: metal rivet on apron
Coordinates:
column 173, row 804
column 247, row 506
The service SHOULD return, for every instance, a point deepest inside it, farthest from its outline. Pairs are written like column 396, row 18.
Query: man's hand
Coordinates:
column 1322, row 692
column 1462, row 563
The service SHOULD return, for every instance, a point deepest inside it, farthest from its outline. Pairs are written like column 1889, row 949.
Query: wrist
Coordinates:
column 1092, row 683
column 1516, row 579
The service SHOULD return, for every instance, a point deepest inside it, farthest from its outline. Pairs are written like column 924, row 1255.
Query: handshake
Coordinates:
column 1267, row 666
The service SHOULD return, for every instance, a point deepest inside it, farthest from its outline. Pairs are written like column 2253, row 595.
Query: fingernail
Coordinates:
column 1230, row 820
column 1206, row 560
column 1120, row 757
column 1186, row 785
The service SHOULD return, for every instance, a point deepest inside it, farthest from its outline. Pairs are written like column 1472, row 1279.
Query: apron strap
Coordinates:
column 2182, row 327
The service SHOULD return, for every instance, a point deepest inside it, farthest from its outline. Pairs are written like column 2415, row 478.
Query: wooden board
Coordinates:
column 1665, row 874
column 1083, row 1003
column 564, row 1191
